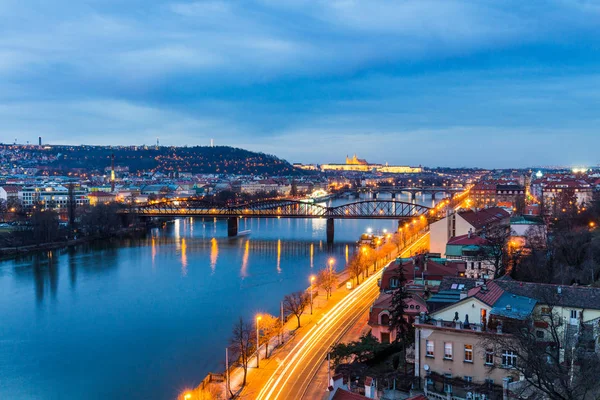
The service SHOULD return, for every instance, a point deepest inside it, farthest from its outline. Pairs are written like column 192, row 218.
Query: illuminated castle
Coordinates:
column 356, row 161
column 356, row 164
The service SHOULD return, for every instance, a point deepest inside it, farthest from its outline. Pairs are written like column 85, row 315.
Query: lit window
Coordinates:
column 448, row 350
column 509, row 359
column 468, row 353
column 430, row 348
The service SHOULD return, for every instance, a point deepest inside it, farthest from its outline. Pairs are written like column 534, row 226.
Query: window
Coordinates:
column 489, row 357
column 546, row 310
column 468, row 353
column 447, row 385
column 509, row 359
column 539, row 334
column 573, row 313
column 468, row 379
column 385, row 319
column 489, row 382
column 385, row 337
column 394, row 282
column 448, row 350
column 430, row 348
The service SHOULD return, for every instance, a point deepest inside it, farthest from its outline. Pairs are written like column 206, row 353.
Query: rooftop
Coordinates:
column 481, row 218
column 558, row 295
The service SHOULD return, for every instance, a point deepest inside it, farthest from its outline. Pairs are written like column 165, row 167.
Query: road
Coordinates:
column 292, row 377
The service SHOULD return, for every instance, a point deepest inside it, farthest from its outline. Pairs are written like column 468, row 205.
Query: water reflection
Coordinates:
column 72, row 257
column 279, row 256
column 244, row 271
column 184, row 262
column 214, row 254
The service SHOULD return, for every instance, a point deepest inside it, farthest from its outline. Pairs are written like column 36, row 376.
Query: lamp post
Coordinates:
column 257, row 340
column 312, row 279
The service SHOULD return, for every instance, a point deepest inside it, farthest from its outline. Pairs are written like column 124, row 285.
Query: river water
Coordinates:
column 147, row 318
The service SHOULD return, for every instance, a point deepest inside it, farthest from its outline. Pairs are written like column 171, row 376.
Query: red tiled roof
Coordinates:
column 465, row 240
column 488, row 296
column 10, row 189
column 342, row 394
column 433, row 268
column 483, row 217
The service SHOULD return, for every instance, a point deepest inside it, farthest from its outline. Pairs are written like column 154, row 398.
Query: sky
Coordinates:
column 494, row 84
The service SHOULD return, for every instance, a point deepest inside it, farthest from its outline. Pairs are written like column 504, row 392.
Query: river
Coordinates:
column 147, row 318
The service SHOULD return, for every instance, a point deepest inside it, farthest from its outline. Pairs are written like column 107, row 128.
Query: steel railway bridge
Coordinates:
column 282, row 208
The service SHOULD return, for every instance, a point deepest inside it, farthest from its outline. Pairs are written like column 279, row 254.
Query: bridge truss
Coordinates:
column 283, row 208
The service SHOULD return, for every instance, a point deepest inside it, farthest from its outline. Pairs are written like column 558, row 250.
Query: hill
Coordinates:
column 198, row 159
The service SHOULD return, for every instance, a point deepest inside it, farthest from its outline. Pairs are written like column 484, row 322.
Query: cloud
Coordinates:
column 329, row 72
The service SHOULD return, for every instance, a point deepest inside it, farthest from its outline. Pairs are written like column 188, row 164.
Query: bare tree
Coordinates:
column 243, row 341
column 270, row 327
column 327, row 279
column 295, row 303
column 3, row 209
column 553, row 363
column 355, row 267
column 495, row 251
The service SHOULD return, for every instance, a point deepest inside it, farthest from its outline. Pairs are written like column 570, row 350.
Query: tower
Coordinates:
column 212, row 142
column 157, row 143
column 40, row 141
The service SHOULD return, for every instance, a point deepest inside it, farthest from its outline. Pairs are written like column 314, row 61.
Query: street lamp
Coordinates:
column 312, row 279
column 257, row 339
column 187, row 396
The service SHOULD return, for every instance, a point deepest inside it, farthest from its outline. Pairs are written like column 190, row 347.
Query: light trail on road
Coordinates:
column 300, row 365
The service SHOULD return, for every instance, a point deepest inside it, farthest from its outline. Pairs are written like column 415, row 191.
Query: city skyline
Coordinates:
column 433, row 83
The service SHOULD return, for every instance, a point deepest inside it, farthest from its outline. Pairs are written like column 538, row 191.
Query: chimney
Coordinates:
column 470, row 232
column 370, row 391
column 337, row 381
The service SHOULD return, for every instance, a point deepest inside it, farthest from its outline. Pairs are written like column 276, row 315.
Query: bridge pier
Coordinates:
column 413, row 196
column 232, row 226
column 375, row 195
column 330, row 230
column 393, row 195
column 433, row 196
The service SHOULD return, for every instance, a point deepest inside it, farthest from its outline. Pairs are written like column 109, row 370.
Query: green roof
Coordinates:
column 526, row 220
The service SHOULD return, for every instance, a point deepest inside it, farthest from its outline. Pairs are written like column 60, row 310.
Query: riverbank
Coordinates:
column 8, row 253
column 293, row 336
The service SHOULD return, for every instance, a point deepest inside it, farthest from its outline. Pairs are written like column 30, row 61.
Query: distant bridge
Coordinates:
column 282, row 208
column 413, row 191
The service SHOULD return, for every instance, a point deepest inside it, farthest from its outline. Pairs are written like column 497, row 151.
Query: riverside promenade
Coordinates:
column 295, row 368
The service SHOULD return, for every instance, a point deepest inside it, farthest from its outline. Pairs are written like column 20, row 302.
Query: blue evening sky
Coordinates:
column 494, row 83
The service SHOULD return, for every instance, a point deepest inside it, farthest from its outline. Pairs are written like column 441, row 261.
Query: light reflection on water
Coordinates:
column 97, row 321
